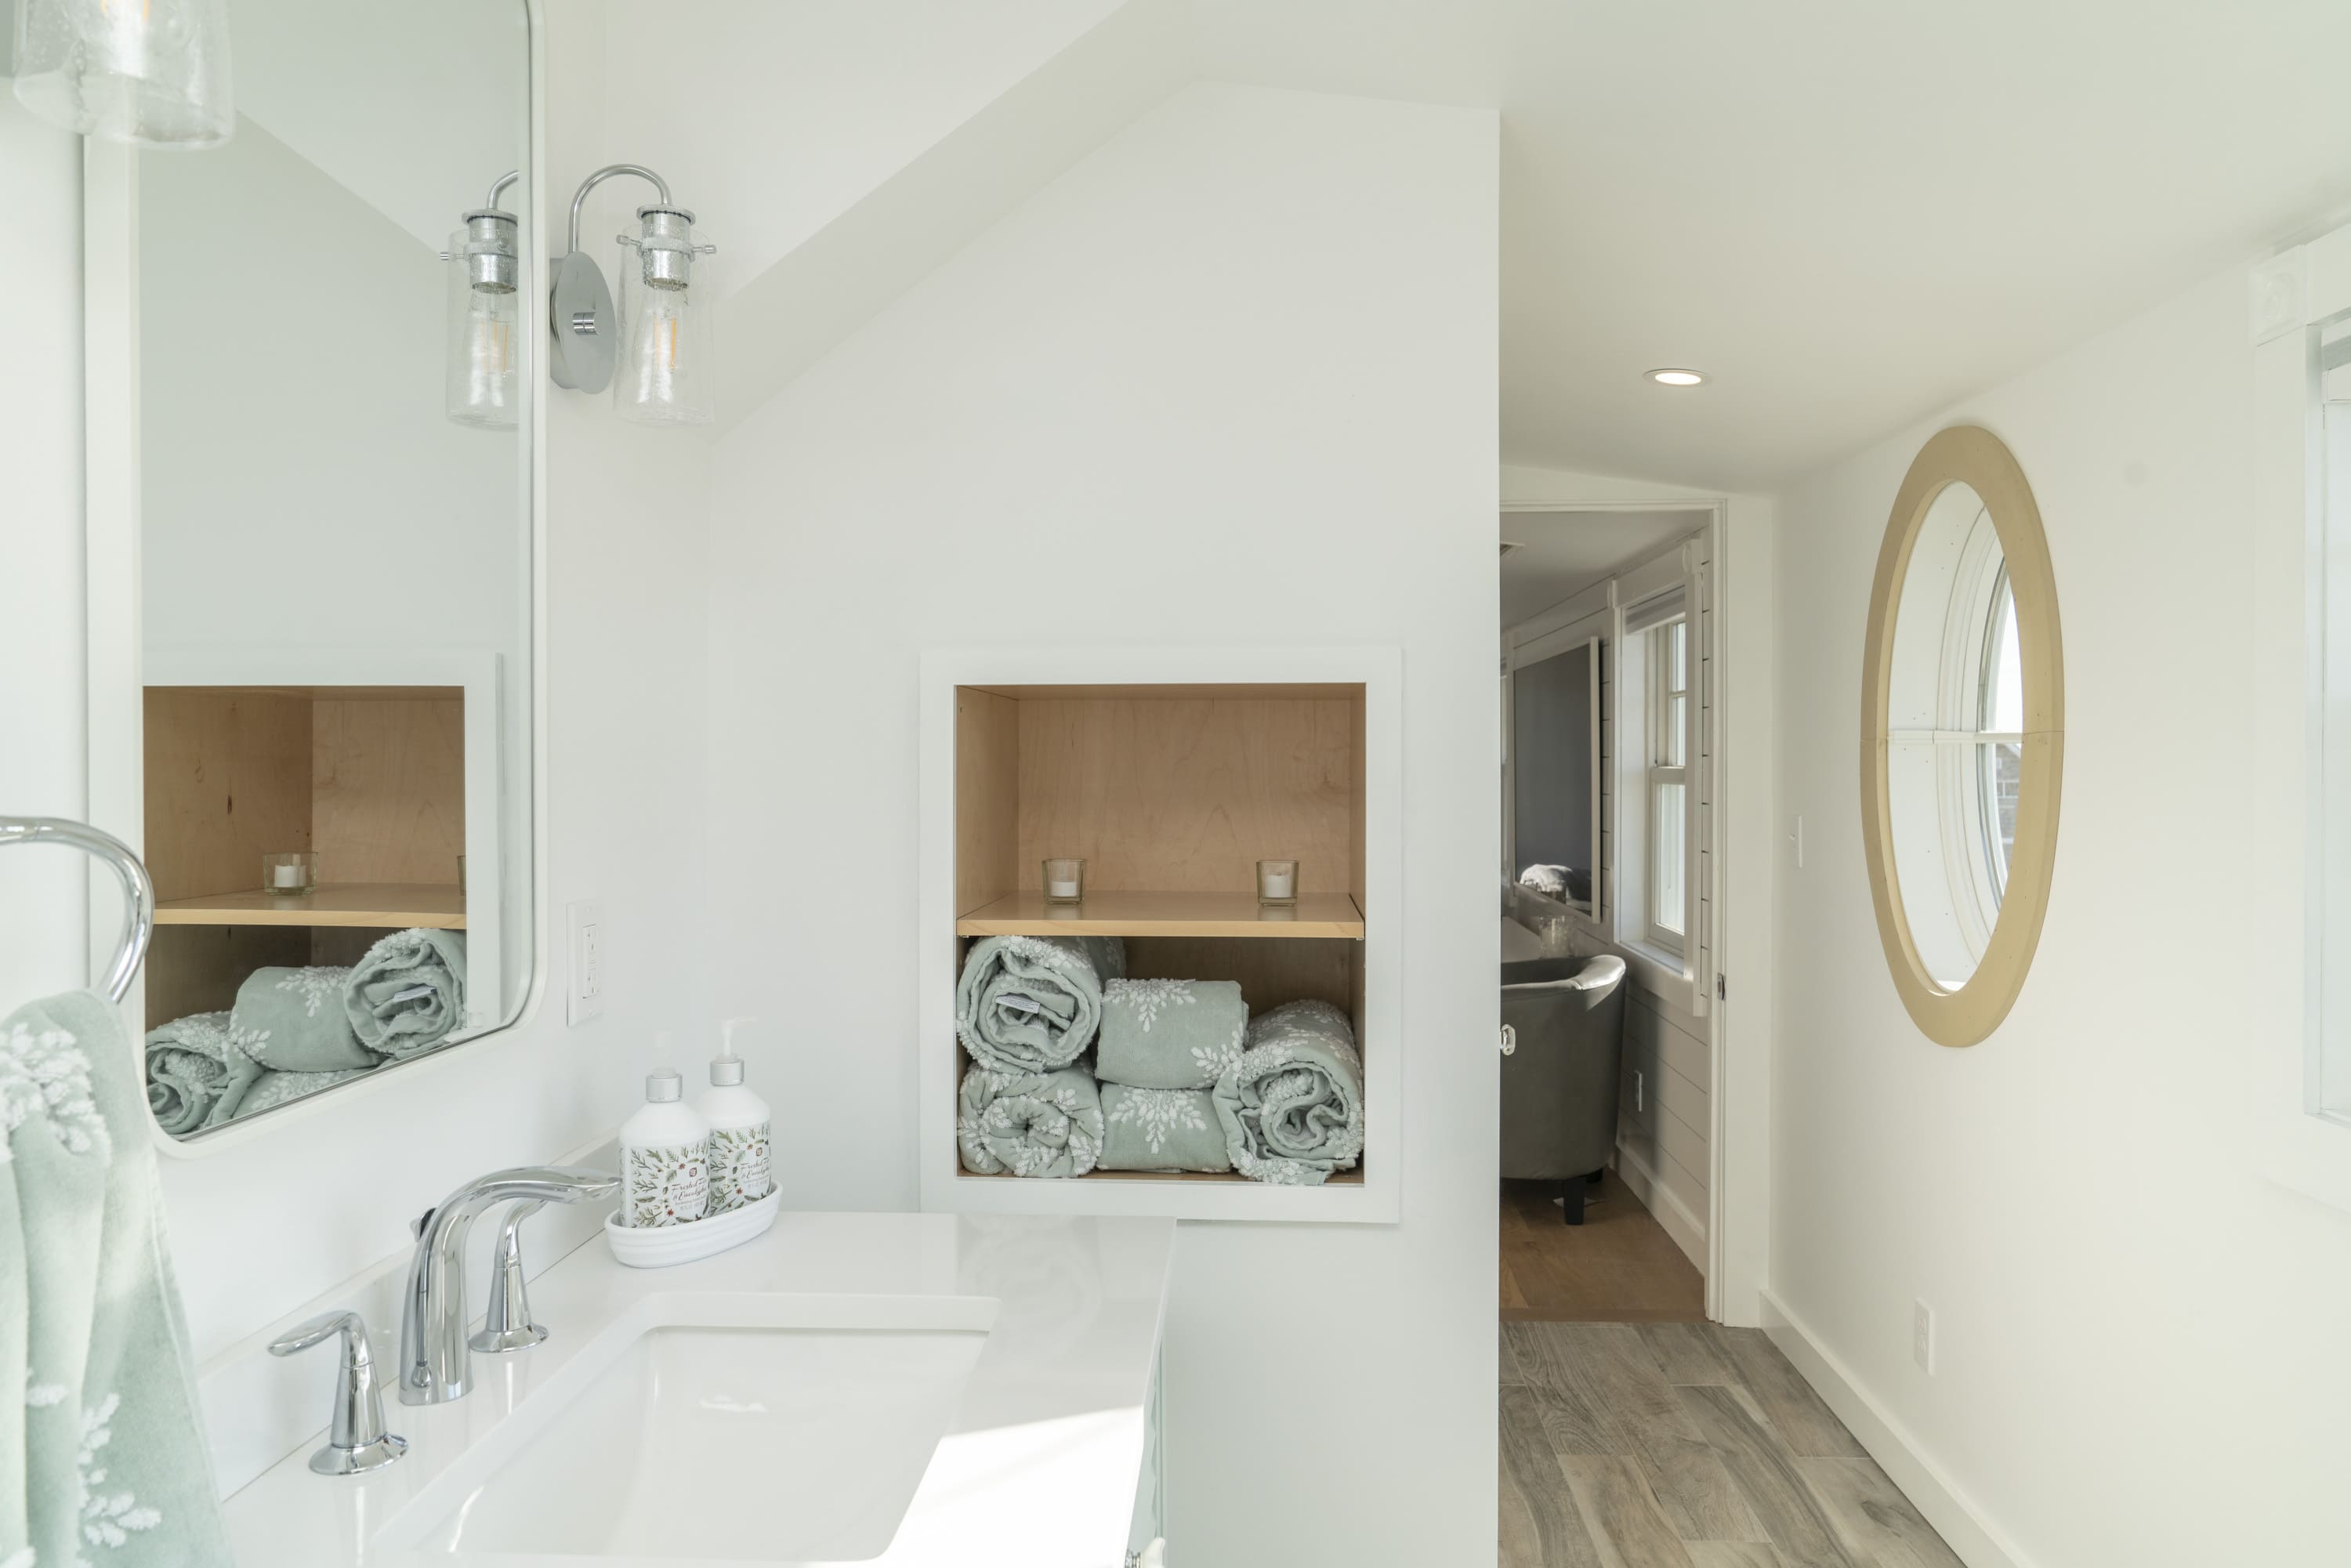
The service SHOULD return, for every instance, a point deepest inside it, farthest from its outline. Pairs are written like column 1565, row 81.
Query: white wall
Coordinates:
column 2142, row 1352
column 1244, row 352
column 42, row 891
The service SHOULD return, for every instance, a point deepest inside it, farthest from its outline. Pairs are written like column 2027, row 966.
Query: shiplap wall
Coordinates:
column 1666, row 1114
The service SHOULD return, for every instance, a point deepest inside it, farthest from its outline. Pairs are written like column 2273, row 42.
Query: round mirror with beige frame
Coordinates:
column 1962, row 735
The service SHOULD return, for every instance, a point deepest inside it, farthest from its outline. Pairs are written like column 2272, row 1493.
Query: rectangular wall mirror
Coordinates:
column 325, row 751
column 1554, row 786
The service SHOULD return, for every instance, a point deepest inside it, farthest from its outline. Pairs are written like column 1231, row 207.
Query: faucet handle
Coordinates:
column 356, row 1440
column 507, row 1326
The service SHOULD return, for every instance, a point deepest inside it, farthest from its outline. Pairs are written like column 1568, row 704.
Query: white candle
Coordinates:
column 1278, row 885
column 1061, row 889
column 286, row 875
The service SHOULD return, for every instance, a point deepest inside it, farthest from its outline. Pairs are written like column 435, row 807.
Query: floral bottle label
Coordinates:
column 740, row 1172
column 666, row 1184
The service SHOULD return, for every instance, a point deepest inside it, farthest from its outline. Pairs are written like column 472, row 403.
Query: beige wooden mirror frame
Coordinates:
column 1974, row 456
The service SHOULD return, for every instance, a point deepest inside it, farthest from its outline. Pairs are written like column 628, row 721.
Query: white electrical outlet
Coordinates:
column 586, row 998
column 1922, row 1336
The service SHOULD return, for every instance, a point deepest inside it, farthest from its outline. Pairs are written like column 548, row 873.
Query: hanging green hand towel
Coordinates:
column 292, row 1021
column 1169, row 1034
column 198, row 1072
column 102, row 1454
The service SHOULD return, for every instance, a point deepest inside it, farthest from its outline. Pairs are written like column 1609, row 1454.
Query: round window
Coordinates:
column 1962, row 729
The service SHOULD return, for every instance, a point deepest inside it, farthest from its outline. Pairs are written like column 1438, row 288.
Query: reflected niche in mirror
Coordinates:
column 1962, row 734
column 336, row 556
column 1554, row 826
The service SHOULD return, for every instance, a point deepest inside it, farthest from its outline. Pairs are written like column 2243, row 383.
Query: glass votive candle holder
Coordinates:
column 1277, row 882
column 1065, row 880
column 288, row 872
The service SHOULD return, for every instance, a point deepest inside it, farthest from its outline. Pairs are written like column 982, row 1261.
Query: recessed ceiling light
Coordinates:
column 1671, row 377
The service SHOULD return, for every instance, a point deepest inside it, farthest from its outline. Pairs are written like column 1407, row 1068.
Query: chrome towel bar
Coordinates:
column 138, row 889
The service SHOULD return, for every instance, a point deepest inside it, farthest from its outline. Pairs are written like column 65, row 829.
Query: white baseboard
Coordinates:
column 1687, row 1229
column 1955, row 1516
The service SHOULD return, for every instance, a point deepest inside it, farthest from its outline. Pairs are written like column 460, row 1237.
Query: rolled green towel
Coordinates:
column 1032, row 1004
column 292, row 1021
column 198, row 1072
column 407, row 994
column 1031, row 1124
column 1161, row 1130
column 1292, row 1107
column 1169, row 1034
column 103, row 1456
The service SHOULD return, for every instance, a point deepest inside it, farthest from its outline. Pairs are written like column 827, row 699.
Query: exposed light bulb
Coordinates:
column 665, row 375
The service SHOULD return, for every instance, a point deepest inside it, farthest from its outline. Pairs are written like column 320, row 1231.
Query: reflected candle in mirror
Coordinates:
column 1065, row 880
column 1277, row 882
column 290, row 871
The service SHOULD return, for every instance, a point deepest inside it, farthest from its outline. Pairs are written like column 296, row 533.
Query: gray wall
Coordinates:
column 1550, row 736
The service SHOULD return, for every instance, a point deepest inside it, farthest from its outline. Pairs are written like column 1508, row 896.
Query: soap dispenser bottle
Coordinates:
column 664, row 1158
column 741, row 1171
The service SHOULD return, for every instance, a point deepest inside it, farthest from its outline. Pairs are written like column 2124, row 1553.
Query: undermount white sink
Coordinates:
column 694, row 1434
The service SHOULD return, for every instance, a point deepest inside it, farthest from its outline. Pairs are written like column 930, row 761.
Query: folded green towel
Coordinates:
column 102, row 1453
column 272, row 1090
column 292, row 1021
column 1031, row 1124
column 407, row 993
column 1292, row 1107
column 1030, row 1004
column 1161, row 1130
column 198, row 1072
column 1169, row 1034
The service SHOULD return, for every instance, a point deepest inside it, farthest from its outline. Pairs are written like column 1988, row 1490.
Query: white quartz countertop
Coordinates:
column 1040, row 1463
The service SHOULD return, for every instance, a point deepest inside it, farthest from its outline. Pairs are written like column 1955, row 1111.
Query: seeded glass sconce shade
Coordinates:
column 664, row 371
column 655, row 352
column 153, row 72
column 485, row 320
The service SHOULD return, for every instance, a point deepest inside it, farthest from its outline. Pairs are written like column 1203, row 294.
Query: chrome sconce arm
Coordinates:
column 667, row 379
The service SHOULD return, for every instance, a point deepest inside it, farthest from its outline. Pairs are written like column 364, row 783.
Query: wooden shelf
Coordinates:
column 392, row 904
column 1165, row 915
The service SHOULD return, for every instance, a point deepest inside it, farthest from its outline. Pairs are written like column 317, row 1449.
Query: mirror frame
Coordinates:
column 1971, row 455
column 114, row 651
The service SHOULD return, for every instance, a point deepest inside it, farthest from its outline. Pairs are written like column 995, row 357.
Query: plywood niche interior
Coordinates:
column 1171, row 794
column 372, row 779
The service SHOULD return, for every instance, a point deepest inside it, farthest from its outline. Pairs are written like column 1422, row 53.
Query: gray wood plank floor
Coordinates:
column 1686, row 1445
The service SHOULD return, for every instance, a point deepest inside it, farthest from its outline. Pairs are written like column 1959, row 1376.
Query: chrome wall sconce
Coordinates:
column 655, row 352
column 152, row 72
column 482, row 386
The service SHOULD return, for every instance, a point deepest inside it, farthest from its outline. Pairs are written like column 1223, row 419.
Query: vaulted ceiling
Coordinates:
column 1848, row 214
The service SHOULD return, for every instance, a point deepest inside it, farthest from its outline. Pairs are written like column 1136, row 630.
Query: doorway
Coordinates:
column 1607, row 718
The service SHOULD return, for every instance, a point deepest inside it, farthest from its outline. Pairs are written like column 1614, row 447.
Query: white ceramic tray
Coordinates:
column 658, row 1247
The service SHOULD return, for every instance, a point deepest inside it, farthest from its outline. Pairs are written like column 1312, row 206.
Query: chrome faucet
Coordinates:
column 436, row 1363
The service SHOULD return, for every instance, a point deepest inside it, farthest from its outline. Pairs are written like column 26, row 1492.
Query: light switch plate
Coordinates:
column 586, row 983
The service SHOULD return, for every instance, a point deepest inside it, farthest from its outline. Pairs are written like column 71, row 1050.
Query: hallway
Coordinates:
column 1673, row 1445
column 1618, row 1267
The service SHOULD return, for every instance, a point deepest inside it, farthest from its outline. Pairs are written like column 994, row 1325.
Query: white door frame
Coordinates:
column 1741, row 870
